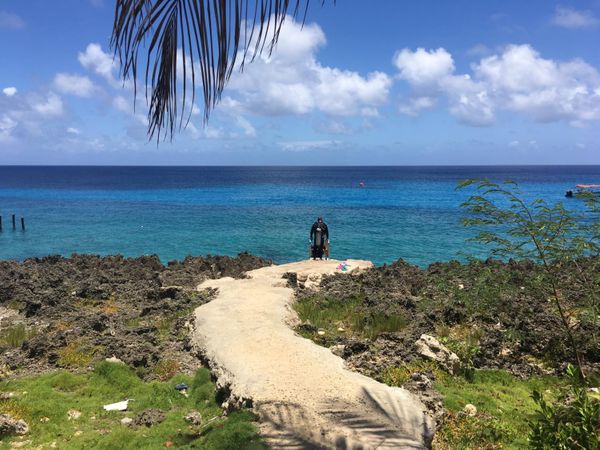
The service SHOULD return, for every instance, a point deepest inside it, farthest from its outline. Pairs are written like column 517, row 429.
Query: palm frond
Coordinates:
column 208, row 33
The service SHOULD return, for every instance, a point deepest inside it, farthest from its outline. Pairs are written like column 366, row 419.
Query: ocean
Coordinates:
column 401, row 212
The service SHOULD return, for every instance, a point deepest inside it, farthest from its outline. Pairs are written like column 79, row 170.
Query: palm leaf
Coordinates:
column 209, row 33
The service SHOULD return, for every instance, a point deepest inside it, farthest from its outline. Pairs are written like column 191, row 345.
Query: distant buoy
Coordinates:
column 361, row 184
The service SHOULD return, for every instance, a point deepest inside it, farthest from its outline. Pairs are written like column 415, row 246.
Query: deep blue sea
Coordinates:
column 401, row 212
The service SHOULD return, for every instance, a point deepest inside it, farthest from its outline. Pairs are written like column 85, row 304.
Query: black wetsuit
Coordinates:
column 318, row 238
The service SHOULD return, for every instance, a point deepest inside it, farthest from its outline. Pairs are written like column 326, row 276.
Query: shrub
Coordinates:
column 572, row 422
column 166, row 369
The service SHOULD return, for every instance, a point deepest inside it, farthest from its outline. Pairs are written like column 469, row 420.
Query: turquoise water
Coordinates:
column 402, row 212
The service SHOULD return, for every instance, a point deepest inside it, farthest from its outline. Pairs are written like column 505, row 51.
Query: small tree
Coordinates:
column 550, row 235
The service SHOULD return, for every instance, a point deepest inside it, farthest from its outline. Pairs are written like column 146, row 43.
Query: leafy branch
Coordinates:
column 549, row 234
column 169, row 44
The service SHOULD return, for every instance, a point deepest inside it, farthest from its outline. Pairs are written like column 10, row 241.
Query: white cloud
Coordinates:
column 304, row 146
column 7, row 125
column 517, row 80
column 52, row 106
column 416, row 104
column 9, row 91
column 572, row 18
column 11, row 21
column 423, row 68
column 120, row 104
column 73, row 130
column 292, row 81
column 246, row 126
column 74, row 84
column 100, row 62
column 335, row 127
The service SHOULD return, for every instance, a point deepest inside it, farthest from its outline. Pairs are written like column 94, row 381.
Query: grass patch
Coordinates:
column 504, row 409
column 110, row 307
column 504, row 405
column 397, row 376
column 15, row 335
column 346, row 317
column 76, row 355
column 463, row 340
column 44, row 401
column 166, row 369
column 165, row 323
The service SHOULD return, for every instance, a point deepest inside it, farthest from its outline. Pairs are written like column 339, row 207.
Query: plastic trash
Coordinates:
column 181, row 386
column 119, row 406
column 343, row 266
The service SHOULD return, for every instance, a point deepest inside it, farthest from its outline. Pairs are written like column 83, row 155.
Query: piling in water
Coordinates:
column 14, row 223
column 23, row 223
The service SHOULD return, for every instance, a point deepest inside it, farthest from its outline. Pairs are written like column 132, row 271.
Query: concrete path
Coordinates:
column 302, row 393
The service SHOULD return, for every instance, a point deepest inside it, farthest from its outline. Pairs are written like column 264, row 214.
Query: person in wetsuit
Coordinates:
column 318, row 234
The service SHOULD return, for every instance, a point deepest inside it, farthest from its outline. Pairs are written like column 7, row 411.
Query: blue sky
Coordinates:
column 382, row 82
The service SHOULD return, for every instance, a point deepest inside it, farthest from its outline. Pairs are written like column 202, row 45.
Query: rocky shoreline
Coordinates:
column 58, row 312
column 70, row 313
column 495, row 314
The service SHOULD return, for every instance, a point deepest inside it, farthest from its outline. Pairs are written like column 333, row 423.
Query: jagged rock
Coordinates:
column 148, row 418
column 338, row 350
column 421, row 386
column 429, row 347
column 193, row 417
column 126, row 421
column 470, row 410
column 73, row 414
column 114, row 359
column 307, row 327
column 10, row 426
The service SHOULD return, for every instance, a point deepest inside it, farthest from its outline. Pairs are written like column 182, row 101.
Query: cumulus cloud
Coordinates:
column 74, row 131
column 51, row 107
column 571, row 18
column 292, row 81
column 11, row 21
column 9, row 91
column 99, row 62
column 518, row 80
column 422, row 67
column 78, row 85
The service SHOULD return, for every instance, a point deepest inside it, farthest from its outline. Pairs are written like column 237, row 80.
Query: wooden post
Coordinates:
column 23, row 223
column 14, row 222
column 0, row 223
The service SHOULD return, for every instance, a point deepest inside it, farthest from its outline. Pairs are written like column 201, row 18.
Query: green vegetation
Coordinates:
column 397, row 376
column 76, row 355
column 504, row 405
column 338, row 317
column 571, row 422
column 44, row 403
column 504, row 409
column 464, row 341
column 15, row 335
column 166, row 369
column 549, row 235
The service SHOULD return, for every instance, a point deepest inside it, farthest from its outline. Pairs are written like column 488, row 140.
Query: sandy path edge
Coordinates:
column 303, row 394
